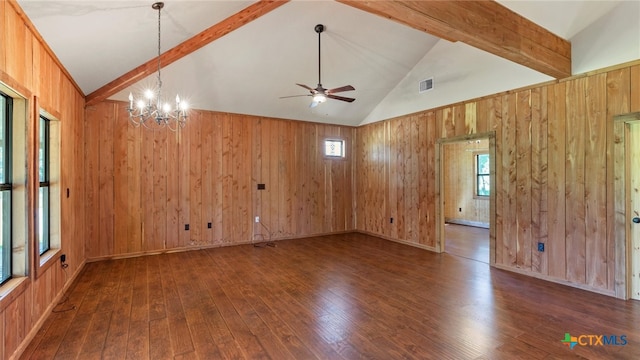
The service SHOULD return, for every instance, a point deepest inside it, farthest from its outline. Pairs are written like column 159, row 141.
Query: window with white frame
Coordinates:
column 334, row 148
column 483, row 177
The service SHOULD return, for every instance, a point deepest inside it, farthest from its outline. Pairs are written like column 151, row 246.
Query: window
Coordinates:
column 483, row 177
column 334, row 148
column 14, row 247
column 6, row 118
column 44, row 190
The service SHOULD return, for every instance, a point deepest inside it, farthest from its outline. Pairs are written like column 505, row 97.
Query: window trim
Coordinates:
column 21, row 235
column 334, row 139
column 48, row 258
column 8, row 185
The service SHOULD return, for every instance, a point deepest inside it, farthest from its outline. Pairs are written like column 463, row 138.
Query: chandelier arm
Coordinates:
column 168, row 124
column 132, row 120
column 144, row 124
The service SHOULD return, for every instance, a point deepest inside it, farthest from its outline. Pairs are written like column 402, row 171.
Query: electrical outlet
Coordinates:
column 459, row 209
column 63, row 258
column 391, row 221
column 257, row 219
column 541, row 247
column 209, row 225
column 186, row 226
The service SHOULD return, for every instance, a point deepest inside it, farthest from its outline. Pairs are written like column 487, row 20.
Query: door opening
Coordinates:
column 627, row 205
column 465, row 202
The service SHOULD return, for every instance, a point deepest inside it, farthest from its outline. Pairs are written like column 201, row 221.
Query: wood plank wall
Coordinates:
column 144, row 186
column 28, row 66
column 554, row 175
column 460, row 204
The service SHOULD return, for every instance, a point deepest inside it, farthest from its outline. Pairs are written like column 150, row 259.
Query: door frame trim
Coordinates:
column 622, row 204
column 491, row 136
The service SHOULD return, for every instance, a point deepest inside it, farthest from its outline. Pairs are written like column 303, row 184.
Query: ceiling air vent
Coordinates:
column 426, row 85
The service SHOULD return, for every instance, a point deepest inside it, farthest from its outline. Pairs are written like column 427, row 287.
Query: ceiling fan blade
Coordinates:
column 305, row 86
column 336, row 97
column 290, row 96
column 341, row 89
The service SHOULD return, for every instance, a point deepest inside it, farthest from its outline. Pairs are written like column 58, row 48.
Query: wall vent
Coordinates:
column 426, row 85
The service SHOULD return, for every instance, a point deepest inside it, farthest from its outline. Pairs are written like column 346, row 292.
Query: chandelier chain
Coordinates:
column 159, row 53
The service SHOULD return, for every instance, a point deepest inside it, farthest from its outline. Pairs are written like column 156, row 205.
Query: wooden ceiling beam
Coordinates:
column 483, row 24
column 198, row 41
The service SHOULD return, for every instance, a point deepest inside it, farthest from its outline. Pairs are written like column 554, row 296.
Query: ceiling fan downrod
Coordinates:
column 319, row 29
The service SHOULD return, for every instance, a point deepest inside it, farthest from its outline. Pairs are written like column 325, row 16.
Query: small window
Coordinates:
column 334, row 148
column 483, row 177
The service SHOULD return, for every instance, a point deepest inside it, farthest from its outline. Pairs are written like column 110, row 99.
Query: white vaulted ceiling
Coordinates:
column 248, row 70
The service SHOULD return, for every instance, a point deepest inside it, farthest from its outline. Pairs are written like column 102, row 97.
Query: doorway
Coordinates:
column 465, row 196
column 627, row 205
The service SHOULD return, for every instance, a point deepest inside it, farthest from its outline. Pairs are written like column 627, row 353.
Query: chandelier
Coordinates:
column 152, row 106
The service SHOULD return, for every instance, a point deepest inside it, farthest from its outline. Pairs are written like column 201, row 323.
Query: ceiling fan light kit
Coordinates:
column 320, row 94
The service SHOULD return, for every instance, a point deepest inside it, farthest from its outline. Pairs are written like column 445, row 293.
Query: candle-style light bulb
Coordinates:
column 130, row 101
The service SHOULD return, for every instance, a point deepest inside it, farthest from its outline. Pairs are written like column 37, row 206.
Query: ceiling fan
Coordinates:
column 320, row 94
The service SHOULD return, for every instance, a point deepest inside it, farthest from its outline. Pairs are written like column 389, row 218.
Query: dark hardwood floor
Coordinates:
column 335, row 297
column 467, row 241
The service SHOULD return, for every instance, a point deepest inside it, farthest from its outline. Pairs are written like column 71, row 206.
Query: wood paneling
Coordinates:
column 28, row 66
column 596, row 169
column 575, row 181
column 395, row 163
column 554, row 177
column 153, row 183
column 555, row 246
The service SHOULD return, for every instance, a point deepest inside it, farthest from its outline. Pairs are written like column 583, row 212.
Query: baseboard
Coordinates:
column 421, row 246
column 46, row 313
column 556, row 280
column 479, row 224
column 207, row 246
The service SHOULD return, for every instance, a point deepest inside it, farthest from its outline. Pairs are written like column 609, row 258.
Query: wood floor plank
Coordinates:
column 333, row 297
column 238, row 293
column 117, row 336
column 217, row 329
column 178, row 328
column 194, row 300
column 138, row 340
column 159, row 340
column 95, row 336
